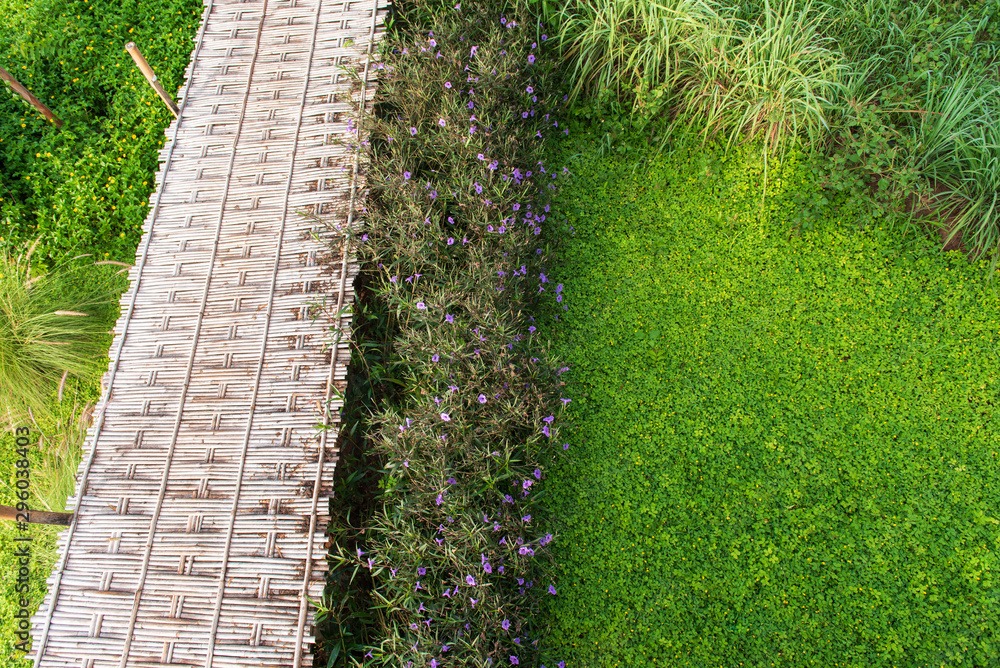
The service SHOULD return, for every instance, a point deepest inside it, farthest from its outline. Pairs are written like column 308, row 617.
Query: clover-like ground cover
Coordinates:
column 786, row 445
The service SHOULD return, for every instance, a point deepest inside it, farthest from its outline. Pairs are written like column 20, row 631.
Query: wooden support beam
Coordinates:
column 12, row 514
column 150, row 75
column 26, row 94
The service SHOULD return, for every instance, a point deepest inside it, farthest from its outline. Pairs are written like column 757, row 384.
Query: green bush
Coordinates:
column 784, row 444
column 85, row 188
column 444, row 560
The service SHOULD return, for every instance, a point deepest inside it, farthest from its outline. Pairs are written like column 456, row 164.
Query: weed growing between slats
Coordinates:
column 447, row 561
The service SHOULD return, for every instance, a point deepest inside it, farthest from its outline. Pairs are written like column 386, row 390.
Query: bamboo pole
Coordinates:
column 32, row 100
column 150, row 75
column 12, row 514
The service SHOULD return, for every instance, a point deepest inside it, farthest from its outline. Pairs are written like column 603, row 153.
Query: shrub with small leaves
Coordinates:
column 456, row 547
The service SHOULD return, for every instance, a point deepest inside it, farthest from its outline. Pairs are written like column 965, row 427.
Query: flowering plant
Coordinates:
column 450, row 553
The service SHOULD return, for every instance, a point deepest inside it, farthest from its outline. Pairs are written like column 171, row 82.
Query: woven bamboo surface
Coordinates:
column 201, row 500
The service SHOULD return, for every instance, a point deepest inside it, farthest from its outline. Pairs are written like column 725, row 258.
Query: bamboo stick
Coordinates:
column 32, row 100
column 12, row 514
column 150, row 75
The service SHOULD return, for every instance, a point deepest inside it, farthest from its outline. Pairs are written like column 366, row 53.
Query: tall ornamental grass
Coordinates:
column 826, row 75
column 621, row 45
column 448, row 563
column 53, row 326
column 775, row 80
column 959, row 147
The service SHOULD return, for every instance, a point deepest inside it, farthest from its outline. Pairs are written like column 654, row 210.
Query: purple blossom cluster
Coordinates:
column 457, row 548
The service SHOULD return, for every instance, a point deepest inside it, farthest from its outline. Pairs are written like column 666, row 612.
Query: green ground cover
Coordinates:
column 786, row 449
column 80, row 190
column 85, row 188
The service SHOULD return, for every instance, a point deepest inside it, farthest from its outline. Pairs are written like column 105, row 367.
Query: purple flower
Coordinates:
column 447, row 592
column 506, row 625
column 421, row 571
column 479, row 188
column 447, row 84
column 531, row 59
column 538, row 474
column 435, row 357
column 514, row 661
column 552, row 590
column 407, row 175
column 393, row 570
column 472, row 130
column 472, row 52
column 471, row 105
column 439, row 500
column 482, row 398
column 433, row 43
column 421, row 306
column 544, row 37
column 526, row 518
column 418, row 586
column 549, row 419
column 444, row 416
column 474, row 601
column 441, row 122
column 449, row 317
column 530, row 89
column 413, row 131
column 545, row 430
column 471, row 581
column 413, row 625
column 487, row 567
column 451, row 240
column 360, row 553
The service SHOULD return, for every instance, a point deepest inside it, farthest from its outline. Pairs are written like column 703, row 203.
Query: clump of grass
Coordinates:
column 62, row 447
column 960, row 148
column 53, row 327
column 775, row 80
column 618, row 45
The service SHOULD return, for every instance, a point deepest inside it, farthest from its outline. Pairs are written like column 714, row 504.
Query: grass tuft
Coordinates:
column 51, row 325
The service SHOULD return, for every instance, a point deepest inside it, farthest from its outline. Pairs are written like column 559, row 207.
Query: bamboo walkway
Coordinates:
column 202, row 497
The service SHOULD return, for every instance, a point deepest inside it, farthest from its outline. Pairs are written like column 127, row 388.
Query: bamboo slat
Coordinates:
column 201, row 500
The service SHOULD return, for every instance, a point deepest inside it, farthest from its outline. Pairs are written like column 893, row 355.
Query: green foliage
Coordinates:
column 439, row 541
column 85, row 188
column 774, row 80
column 54, row 454
column 617, row 46
column 959, row 145
column 900, row 93
column 784, row 444
column 51, row 324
